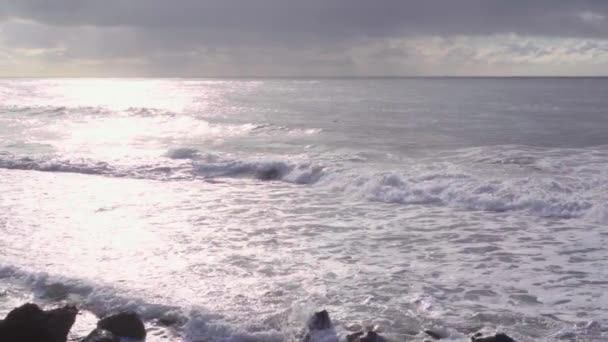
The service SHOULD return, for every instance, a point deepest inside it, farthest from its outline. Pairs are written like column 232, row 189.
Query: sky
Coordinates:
column 310, row 38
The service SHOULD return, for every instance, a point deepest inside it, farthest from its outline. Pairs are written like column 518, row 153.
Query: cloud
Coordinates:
column 326, row 18
column 293, row 37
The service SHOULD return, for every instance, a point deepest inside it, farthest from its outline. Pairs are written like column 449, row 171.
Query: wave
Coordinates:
column 149, row 116
column 154, row 171
column 56, row 165
column 190, row 323
column 271, row 129
column 54, row 111
column 171, row 320
column 182, row 153
column 215, row 166
column 98, row 299
column 261, row 169
column 550, row 193
column 538, row 197
column 183, row 164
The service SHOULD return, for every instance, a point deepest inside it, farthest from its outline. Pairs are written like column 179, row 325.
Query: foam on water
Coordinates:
column 194, row 323
column 538, row 197
column 236, row 208
column 546, row 194
column 166, row 322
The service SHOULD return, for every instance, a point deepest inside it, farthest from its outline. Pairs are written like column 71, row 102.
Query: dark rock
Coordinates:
column 433, row 334
column 30, row 323
column 320, row 321
column 360, row 336
column 124, row 324
column 354, row 337
column 60, row 321
column 320, row 328
column 499, row 337
column 101, row 335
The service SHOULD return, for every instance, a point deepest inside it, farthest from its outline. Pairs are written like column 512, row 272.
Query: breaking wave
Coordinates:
column 183, row 164
column 545, row 194
column 538, row 197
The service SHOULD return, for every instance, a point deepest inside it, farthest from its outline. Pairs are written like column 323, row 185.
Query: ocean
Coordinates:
column 234, row 208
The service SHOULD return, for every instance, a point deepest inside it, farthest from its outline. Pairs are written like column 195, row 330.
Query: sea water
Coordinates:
column 234, row 208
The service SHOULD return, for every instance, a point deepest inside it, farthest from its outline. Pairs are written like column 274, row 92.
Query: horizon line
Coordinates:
column 311, row 77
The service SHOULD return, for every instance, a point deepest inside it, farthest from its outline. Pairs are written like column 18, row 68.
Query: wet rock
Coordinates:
column 434, row 334
column 360, row 336
column 320, row 321
column 30, row 323
column 101, row 335
column 320, row 328
column 124, row 324
column 354, row 337
column 499, row 337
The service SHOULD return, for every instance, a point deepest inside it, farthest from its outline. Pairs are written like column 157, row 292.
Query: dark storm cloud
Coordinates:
column 218, row 20
column 302, row 37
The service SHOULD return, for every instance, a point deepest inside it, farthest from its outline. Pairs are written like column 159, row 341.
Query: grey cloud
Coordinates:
column 299, row 37
column 284, row 20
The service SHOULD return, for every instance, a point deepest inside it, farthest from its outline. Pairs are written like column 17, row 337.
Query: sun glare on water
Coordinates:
column 120, row 118
column 121, row 94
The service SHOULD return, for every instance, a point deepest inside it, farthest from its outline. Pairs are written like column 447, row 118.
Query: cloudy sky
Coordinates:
column 303, row 37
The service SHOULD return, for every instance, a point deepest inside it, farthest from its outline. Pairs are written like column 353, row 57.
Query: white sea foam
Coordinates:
column 452, row 204
column 465, row 191
column 543, row 195
column 189, row 323
column 97, row 298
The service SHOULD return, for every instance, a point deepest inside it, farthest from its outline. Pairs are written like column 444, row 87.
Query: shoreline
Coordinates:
column 178, row 324
column 29, row 322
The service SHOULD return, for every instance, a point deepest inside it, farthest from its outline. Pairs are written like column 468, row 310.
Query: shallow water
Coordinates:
column 239, row 207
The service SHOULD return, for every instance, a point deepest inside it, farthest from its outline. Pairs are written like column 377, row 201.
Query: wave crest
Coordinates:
column 538, row 197
column 540, row 194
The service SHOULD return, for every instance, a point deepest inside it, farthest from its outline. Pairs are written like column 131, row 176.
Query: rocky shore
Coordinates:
column 29, row 323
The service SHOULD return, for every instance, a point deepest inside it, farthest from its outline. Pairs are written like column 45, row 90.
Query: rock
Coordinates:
column 320, row 328
column 124, row 324
column 499, row 337
column 101, row 335
column 60, row 321
column 436, row 334
column 433, row 334
column 30, row 323
column 354, row 337
column 320, row 321
column 360, row 336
